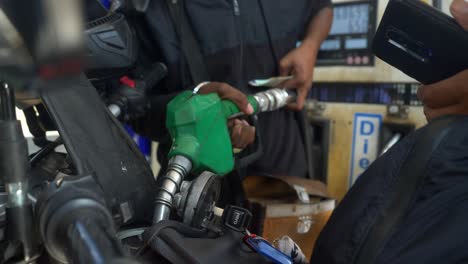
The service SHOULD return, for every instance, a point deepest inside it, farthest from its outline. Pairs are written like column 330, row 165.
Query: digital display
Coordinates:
column 353, row 44
column 331, row 44
column 350, row 39
column 350, row 19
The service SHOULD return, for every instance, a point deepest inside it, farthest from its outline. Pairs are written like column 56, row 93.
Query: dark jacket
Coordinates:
column 240, row 40
column 432, row 228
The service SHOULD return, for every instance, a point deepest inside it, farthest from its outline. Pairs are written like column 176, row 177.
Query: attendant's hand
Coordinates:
column 242, row 133
column 226, row 91
column 300, row 63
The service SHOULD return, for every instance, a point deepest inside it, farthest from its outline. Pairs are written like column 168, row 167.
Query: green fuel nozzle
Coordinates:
column 199, row 131
column 200, row 137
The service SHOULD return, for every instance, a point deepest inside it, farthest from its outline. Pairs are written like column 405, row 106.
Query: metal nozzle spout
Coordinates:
column 274, row 99
column 178, row 168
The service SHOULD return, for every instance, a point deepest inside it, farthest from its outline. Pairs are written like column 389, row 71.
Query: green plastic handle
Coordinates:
column 231, row 110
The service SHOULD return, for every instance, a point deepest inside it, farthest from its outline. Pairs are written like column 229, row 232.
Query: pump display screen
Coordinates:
column 350, row 19
column 349, row 41
column 331, row 44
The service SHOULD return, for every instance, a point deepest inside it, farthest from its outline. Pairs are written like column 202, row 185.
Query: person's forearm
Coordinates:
column 318, row 28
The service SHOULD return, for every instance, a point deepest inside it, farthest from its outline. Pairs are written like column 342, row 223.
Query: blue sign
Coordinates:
column 366, row 135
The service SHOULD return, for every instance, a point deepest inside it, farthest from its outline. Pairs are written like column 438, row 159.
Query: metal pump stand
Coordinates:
column 14, row 168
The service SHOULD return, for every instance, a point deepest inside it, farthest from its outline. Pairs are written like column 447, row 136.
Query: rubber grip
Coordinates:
column 155, row 75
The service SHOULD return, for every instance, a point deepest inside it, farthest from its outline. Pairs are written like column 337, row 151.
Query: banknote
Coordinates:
column 273, row 82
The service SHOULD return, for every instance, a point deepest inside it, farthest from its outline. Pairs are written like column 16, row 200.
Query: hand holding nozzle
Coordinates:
column 238, row 103
column 201, row 140
column 242, row 133
column 230, row 94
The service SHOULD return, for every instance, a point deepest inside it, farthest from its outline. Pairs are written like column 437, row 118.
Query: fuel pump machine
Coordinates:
column 359, row 106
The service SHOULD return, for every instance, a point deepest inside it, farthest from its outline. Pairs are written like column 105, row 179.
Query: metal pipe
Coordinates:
column 178, row 168
column 274, row 99
column 7, row 103
column 161, row 212
column 270, row 100
column 17, row 196
column 14, row 169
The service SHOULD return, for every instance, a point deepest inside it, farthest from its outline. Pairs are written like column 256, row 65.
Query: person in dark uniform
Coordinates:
column 242, row 40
